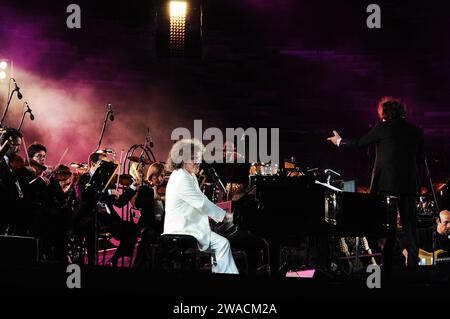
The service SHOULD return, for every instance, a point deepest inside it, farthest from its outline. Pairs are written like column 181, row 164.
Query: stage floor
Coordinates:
column 49, row 281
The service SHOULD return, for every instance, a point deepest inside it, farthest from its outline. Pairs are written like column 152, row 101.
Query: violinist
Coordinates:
column 108, row 220
column 149, row 200
column 150, row 195
column 38, row 152
column 64, row 177
column 50, row 218
column 11, row 194
column 38, row 156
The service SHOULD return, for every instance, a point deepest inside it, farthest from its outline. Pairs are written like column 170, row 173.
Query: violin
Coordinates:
column 24, row 171
column 17, row 161
column 62, row 173
column 125, row 180
column 161, row 191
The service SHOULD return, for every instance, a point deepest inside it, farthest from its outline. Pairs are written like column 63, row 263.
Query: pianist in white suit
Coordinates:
column 188, row 209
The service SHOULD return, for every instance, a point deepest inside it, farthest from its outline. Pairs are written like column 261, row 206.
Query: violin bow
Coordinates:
column 26, row 151
column 120, row 170
column 62, row 157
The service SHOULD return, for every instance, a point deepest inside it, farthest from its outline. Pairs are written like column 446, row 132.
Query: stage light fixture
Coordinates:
column 5, row 69
column 178, row 28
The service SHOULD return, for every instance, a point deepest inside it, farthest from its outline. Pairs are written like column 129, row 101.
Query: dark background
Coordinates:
column 306, row 67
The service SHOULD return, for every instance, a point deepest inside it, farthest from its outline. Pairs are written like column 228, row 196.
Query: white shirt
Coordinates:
column 188, row 209
column 6, row 158
column 19, row 189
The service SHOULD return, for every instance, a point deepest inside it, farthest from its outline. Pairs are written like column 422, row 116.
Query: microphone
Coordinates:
column 149, row 138
column 105, row 151
column 17, row 89
column 330, row 172
column 111, row 112
column 29, row 111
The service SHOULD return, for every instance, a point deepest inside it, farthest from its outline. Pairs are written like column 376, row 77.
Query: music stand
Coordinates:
column 102, row 176
column 99, row 182
column 232, row 172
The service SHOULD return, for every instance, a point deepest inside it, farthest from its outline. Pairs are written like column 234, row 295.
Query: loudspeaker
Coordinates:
column 18, row 250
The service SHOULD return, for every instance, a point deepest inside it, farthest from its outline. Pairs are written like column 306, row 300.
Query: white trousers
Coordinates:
column 224, row 262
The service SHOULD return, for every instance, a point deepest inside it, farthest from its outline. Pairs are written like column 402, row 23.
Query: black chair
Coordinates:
column 241, row 260
column 103, row 244
column 180, row 252
column 148, row 247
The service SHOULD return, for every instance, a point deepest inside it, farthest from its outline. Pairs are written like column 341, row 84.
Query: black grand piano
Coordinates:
column 285, row 209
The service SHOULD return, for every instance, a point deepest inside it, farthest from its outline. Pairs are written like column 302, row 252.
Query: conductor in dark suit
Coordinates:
column 399, row 154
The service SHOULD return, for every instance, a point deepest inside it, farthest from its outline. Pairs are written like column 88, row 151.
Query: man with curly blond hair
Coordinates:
column 188, row 210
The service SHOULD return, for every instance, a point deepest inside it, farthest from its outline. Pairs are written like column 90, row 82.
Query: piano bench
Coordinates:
column 180, row 252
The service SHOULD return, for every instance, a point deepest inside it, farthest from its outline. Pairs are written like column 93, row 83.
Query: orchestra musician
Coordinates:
column 188, row 209
column 51, row 220
column 11, row 194
column 150, row 203
column 38, row 152
column 399, row 155
column 442, row 232
column 108, row 220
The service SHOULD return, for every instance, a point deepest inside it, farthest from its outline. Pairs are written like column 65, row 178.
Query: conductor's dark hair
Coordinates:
column 391, row 108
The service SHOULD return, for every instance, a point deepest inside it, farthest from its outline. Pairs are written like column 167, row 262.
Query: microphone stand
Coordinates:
column 141, row 156
column 141, row 159
column 7, row 105
column 217, row 180
column 436, row 212
column 21, row 120
column 104, row 127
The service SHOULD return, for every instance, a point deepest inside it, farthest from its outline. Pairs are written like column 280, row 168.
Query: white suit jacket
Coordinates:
column 187, row 208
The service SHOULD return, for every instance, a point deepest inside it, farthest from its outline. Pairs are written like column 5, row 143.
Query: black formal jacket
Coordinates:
column 9, row 194
column 88, row 199
column 399, row 154
column 145, row 201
